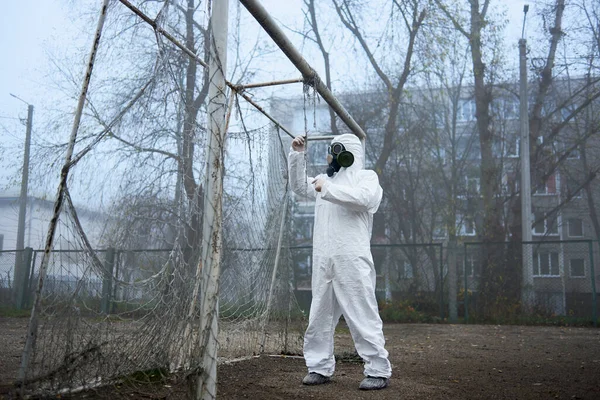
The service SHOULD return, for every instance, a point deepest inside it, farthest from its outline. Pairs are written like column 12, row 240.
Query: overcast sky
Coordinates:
column 33, row 31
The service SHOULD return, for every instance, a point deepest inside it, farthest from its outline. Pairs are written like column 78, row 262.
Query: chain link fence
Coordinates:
column 68, row 271
column 507, row 282
column 479, row 282
column 113, row 298
column 410, row 279
column 533, row 282
column 7, row 276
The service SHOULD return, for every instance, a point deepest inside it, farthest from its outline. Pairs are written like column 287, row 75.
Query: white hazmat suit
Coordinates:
column 343, row 273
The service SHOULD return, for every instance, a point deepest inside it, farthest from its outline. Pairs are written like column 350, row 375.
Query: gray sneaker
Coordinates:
column 314, row 378
column 373, row 383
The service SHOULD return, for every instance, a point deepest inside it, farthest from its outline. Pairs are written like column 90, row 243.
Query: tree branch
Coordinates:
column 315, row 28
column 350, row 23
column 485, row 9
column 145, row 149
column 458, row 27
column 108, row 127
column 546, row 75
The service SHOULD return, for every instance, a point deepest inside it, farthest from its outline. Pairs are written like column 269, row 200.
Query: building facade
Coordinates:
column 432, row 190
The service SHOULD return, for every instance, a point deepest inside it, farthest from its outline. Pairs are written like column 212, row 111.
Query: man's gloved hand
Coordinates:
column 319, row 182
column 298, row 143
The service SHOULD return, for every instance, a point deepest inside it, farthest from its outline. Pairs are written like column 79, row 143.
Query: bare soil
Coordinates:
column 429, row 362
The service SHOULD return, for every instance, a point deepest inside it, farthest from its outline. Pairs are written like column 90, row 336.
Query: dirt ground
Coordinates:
column 429, row 362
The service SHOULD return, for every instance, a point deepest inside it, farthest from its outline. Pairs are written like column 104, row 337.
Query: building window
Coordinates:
column 406, row 159
column 577, row 267
column 468, row 148
column 512, row 147
column 312, row 120
column 438, row 153
column 439, row 230
column 574, row 154
column 406, row 270
column 568, row 111
column 465, row 225
column 470, row 265
column 466, row 110
column 545, row 264
column 574, row 188
column 505, row 108
column 304, row 208
column 303, row 269
column 544, row 225
column 440, row 119
column 408, row 233
column 317, row 152
column 511, row 109
column 472, row 186
column 575, row 227
column 511, row 182
column 303, row 228
column 545, row 186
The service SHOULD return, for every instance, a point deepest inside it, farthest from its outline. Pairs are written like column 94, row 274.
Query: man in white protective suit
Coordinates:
column 343, row 273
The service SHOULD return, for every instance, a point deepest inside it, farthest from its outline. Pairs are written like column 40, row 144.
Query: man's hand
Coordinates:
column 319, row 182
column 298, row 143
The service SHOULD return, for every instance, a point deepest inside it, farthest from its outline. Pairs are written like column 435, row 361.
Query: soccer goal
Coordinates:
column 182, row 257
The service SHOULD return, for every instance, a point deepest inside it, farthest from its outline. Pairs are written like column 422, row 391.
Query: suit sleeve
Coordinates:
column 366, row 195
column 299, row 182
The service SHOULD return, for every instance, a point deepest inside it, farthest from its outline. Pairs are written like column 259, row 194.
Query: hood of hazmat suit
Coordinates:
column 343, row 274
column 345, row 206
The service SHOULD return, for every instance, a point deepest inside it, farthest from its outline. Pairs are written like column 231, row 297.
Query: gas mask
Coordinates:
column 337, row 158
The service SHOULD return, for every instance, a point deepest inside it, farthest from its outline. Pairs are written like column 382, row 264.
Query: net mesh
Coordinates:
column 120, row 292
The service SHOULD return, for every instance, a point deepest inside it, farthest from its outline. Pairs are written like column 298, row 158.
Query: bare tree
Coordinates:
column 412, row 15
column 473, row 31
column 562, row 123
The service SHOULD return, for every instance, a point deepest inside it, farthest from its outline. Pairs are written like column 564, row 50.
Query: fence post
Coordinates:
column 452, row 281
column 117, row 264
column 442, row 313
column 17, row 278
column 30, row 283
column 21, row 281
column 593, row 277
column 109, row 265
column 466, row 294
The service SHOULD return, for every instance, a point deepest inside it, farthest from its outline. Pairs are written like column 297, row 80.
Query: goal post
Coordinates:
column 212, row 239
column 160, row 309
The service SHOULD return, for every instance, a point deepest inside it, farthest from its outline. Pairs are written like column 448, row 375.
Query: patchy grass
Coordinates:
column 14, row 312
column 349, row 357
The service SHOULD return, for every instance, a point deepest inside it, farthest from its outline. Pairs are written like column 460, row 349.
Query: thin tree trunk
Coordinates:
column 546, row 79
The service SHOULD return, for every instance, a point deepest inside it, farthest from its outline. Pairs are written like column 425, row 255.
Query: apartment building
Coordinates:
column 433, row 186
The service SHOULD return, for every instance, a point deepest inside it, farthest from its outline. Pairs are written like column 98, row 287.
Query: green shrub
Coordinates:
column 401, row 311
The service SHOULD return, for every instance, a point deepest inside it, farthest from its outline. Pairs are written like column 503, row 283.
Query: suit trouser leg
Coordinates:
column 356, row 297
column 318, row 339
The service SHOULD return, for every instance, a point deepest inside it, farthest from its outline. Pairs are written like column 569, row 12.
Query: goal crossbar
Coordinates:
column 308, row 73
column 236, row 88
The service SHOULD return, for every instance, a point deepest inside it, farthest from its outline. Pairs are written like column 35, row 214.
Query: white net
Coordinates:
column 120, row 294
